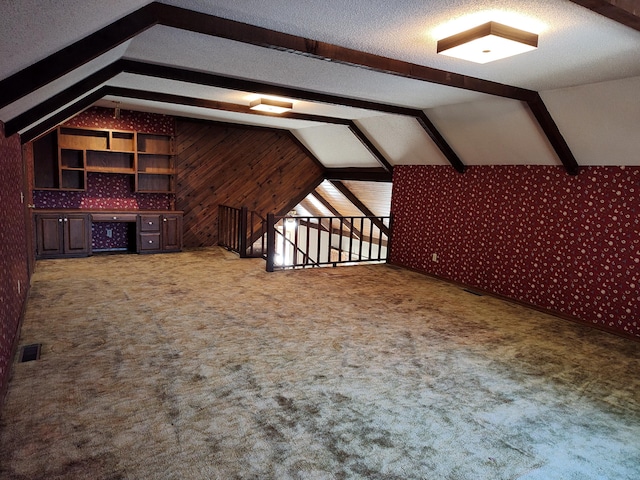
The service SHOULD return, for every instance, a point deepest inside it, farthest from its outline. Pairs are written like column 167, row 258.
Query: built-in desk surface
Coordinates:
column 67, row 232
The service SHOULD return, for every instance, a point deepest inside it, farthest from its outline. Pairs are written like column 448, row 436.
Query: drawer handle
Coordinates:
column 115, row 218
column 150, row 241
column 150, row 223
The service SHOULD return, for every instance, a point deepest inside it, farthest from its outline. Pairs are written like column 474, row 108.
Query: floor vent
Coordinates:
column 472, row 292
column 30, row 352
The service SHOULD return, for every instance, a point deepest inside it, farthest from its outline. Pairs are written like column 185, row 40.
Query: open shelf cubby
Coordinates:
column 63, row 157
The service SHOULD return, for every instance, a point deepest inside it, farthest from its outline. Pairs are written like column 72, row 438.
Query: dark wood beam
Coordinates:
column 69, row 58
column 72, row 93
column 354, row 173
column 342, row 188
column 77, row 54
column 61, row 116
column 335, row 212
column 181, row 18
column 360, row 135
column 625, row 12
column 440, row 142
column 548, row 125
column 309, row 153
column 296, row 199
column 263, row 88
column 215, row 105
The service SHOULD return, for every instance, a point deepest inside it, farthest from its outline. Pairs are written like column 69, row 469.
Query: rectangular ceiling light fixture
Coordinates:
column 270, row 105
column 488, row 42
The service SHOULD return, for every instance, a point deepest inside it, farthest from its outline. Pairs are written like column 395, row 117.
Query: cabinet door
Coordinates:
column 49, row 235
column 77, row 234
column 172, row 232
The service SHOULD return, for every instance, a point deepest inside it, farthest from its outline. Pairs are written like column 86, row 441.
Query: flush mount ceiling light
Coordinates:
column 488, row 42
column 270, row 105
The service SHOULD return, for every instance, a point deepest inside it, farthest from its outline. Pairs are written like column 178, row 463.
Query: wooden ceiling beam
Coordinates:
column 184, row 19
column 440, row 142
column 625, row 12
column 368, row 144
column 335, row 212
column 77, row 54
column 69, row 58
column 342, row 188
column 354, row 173
column 548, row 125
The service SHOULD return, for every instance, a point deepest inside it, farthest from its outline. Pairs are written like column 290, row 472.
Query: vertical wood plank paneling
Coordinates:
column 234, row 165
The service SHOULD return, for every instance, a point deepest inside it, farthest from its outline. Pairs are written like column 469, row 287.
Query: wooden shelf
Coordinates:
column 125, row 171
column 63, row 157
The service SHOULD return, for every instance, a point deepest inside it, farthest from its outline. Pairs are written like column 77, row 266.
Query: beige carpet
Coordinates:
column 200, row 365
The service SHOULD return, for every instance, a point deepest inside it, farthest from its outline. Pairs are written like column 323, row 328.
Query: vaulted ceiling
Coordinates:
column 369, row 90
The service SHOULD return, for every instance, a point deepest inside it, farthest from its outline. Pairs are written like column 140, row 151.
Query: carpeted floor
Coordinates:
column 200, row 365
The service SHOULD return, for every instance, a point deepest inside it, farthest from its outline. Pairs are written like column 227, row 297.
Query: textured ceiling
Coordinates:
column 586, row 70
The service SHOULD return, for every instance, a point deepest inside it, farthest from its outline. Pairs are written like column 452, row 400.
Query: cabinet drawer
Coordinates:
column 149, row 241
column 149, row 223
column 114, row 217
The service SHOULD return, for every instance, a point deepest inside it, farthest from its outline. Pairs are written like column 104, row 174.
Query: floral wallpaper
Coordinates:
column 100, row 117
column 13, row 249
column 105, row 191
column 569, row 244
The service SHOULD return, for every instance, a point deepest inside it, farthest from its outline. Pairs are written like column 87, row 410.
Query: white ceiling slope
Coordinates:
column 586, row 69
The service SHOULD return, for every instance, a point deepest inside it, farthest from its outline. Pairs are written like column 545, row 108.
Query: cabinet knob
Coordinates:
column 115, row 218
column 150, row 241
column 164, row 219
column 150, row 223
column 60, row 220
column 66, row 219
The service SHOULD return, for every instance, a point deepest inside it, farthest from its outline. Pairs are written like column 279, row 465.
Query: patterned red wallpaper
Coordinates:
column 570, row 244
column 13, row 248
column 104, row 191
column 99, row 117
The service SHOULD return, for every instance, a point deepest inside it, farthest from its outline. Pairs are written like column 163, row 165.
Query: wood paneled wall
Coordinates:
column 263, row 169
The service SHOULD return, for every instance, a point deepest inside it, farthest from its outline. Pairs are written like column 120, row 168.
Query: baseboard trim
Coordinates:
column 14, row 348
column 560, row 315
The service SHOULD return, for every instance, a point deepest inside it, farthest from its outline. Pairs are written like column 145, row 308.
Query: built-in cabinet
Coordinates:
column 66, row 233
column 159, row 233
column 63, row 157
column 63, row 235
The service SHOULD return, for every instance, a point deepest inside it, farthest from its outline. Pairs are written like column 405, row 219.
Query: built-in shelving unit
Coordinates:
column 63, row 158
column 156, row 167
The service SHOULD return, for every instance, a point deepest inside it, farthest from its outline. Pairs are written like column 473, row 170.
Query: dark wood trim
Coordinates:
column 94, row 45
column 97, row 43
column 61, row 116
column 354, row 173
column 68, row 95
column 14, row 347
column 77, row 54
column 335, row 212
column 360, row 135
column 548, row 125
column 298, row 198
column 178, row 17
column 625, row 12
column 559, row 315
column 216, row 105
column 440, row 142
column 231, row 83
column 342, row 188
column 485, row 29
column 304, row 148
